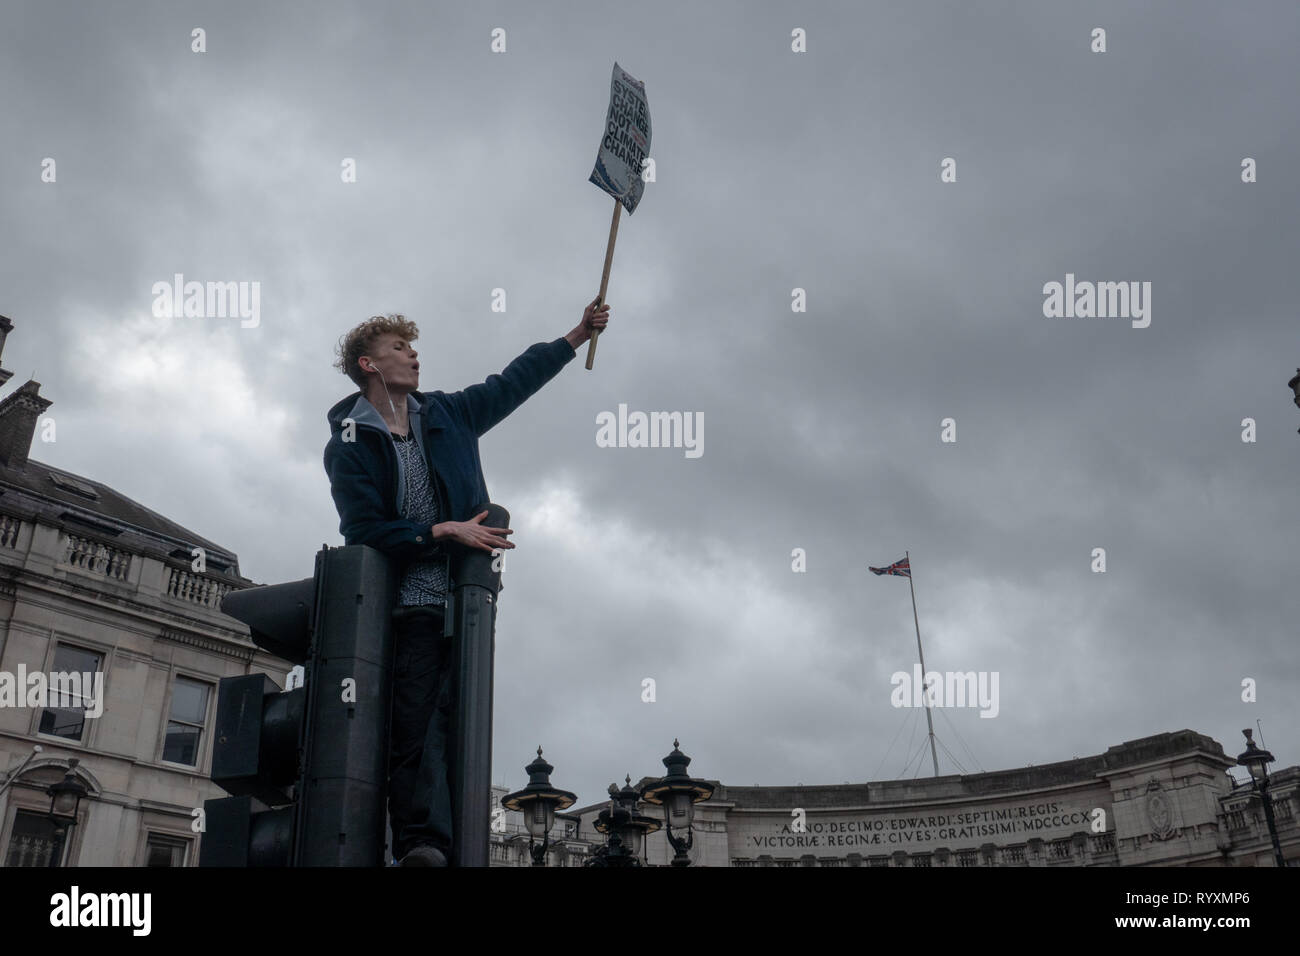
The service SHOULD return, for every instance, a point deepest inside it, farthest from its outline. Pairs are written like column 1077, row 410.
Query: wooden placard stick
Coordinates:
column 604, row 278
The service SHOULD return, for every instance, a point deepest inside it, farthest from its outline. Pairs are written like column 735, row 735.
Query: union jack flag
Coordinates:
column 902, row 568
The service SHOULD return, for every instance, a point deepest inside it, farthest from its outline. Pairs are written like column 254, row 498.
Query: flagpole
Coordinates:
column 925, row 698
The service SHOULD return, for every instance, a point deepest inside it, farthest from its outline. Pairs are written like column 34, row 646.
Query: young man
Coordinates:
column 406, row 479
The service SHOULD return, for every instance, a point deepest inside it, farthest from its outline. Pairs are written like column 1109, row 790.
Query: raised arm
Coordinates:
column 483, row 406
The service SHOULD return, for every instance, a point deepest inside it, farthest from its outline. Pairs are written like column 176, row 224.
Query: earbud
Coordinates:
column 376, row 368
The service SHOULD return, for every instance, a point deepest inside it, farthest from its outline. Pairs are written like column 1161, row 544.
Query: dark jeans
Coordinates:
column 419, row 797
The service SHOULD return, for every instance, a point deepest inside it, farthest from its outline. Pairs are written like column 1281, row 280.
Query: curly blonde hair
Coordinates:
column 361, row 340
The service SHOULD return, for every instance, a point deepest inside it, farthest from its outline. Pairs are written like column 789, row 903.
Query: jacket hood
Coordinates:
column 358, row 408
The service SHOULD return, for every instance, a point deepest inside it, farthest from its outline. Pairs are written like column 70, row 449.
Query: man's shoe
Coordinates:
column 425, row 854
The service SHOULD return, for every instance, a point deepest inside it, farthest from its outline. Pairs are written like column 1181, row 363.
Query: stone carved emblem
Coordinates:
column 1159, row 813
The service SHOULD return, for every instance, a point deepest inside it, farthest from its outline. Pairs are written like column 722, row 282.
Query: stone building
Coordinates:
column 93, row 582
column 1164, row 800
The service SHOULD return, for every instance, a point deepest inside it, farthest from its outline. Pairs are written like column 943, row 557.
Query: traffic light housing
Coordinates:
column 341, row 807
column 279, row 616
column 307, row 768
column 255, row 758
column 256, row 753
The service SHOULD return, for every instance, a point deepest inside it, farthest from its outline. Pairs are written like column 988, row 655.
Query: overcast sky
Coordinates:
column 775, row 170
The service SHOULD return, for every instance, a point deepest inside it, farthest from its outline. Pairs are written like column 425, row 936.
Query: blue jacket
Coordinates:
column 366, row 474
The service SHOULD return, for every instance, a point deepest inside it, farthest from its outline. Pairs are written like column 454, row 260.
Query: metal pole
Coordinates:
column 472, row 618
column 925, row 699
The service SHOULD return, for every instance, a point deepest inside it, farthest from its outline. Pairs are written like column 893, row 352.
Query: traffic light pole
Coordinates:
column 472, row 622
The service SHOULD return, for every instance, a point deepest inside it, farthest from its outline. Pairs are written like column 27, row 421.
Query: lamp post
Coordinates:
column 1294, row 385
column 639, row 825
column 1256, row 760
column 625, row 826
column 538, row 802
column 613, row 822
column 678, row 793
column 65, row 799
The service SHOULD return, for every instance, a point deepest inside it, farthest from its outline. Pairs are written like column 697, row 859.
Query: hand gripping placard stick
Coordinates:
column 604, row 278
column 623, row 149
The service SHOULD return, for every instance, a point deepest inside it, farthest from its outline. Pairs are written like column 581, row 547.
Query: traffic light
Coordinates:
column 255, row 757
column 307, row 768
column 256, row 753
column 279, row 617
column 341, row 806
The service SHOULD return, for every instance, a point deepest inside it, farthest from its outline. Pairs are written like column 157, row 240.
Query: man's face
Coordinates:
column 396, row 359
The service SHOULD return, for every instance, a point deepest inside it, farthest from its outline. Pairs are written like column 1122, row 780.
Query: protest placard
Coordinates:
column 623, row 150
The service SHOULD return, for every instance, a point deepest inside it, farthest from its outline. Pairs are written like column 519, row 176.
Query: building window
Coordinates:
column 163, row 850
column 34, row 841
column 185, row 728
column 70, row 722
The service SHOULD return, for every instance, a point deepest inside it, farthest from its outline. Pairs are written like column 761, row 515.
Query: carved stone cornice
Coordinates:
column 212, row 644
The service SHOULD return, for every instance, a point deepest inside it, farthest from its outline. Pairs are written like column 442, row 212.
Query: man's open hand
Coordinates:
column 472, row 534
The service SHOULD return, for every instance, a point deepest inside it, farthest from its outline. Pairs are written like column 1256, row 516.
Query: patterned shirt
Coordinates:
column 423, row 581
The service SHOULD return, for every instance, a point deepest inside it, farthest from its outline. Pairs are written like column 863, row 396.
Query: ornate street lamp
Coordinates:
column 613, row 822
column 678, row 792
column 538, row 802
column 625, row 823
column 1294, row 385
column 65, row 800
column 1256, row 760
